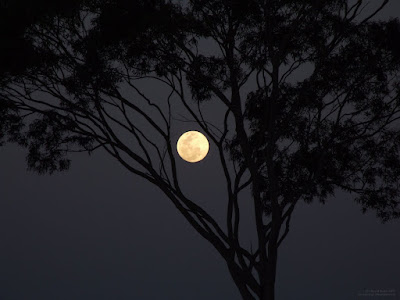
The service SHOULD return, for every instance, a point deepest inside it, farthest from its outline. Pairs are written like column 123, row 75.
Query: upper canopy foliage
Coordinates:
column 321, row 113
column 297, row 97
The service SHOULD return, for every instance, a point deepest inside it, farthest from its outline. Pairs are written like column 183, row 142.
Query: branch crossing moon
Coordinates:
column 192, row 146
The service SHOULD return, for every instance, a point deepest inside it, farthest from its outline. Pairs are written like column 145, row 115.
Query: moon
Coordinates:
column 192, row 146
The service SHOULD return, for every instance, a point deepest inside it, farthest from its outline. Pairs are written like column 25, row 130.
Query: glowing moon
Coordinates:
column 192, row 146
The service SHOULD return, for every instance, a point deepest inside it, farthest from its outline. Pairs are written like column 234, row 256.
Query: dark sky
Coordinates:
column 99, row 232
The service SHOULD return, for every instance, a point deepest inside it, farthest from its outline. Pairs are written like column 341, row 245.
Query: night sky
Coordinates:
column 99, row 232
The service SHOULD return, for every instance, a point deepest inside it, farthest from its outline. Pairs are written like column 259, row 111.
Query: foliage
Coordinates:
column 321, row 114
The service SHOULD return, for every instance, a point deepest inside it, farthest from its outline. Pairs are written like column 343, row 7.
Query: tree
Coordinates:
column 321, row 115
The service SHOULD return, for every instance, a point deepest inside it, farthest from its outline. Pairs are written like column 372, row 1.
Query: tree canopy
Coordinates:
column 307, row 94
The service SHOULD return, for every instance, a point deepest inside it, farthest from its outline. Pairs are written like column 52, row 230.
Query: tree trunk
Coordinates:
column 269, row 275
column 240, row 283
column 268, row 288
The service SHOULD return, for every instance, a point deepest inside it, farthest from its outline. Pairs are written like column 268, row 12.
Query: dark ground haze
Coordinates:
column 98, row 232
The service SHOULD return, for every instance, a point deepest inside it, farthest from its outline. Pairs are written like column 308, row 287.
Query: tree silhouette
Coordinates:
column 320, row 116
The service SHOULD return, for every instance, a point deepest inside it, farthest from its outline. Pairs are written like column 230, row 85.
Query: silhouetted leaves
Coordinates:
column 310, row 91
column 323, row 131
column 16, row 52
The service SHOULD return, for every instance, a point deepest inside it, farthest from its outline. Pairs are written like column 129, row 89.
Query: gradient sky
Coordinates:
column 99, row 232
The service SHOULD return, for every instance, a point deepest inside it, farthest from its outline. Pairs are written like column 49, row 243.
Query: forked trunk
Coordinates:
column 267, row 288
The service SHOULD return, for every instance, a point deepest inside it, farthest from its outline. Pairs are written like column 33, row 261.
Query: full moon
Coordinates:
column 192, row 146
